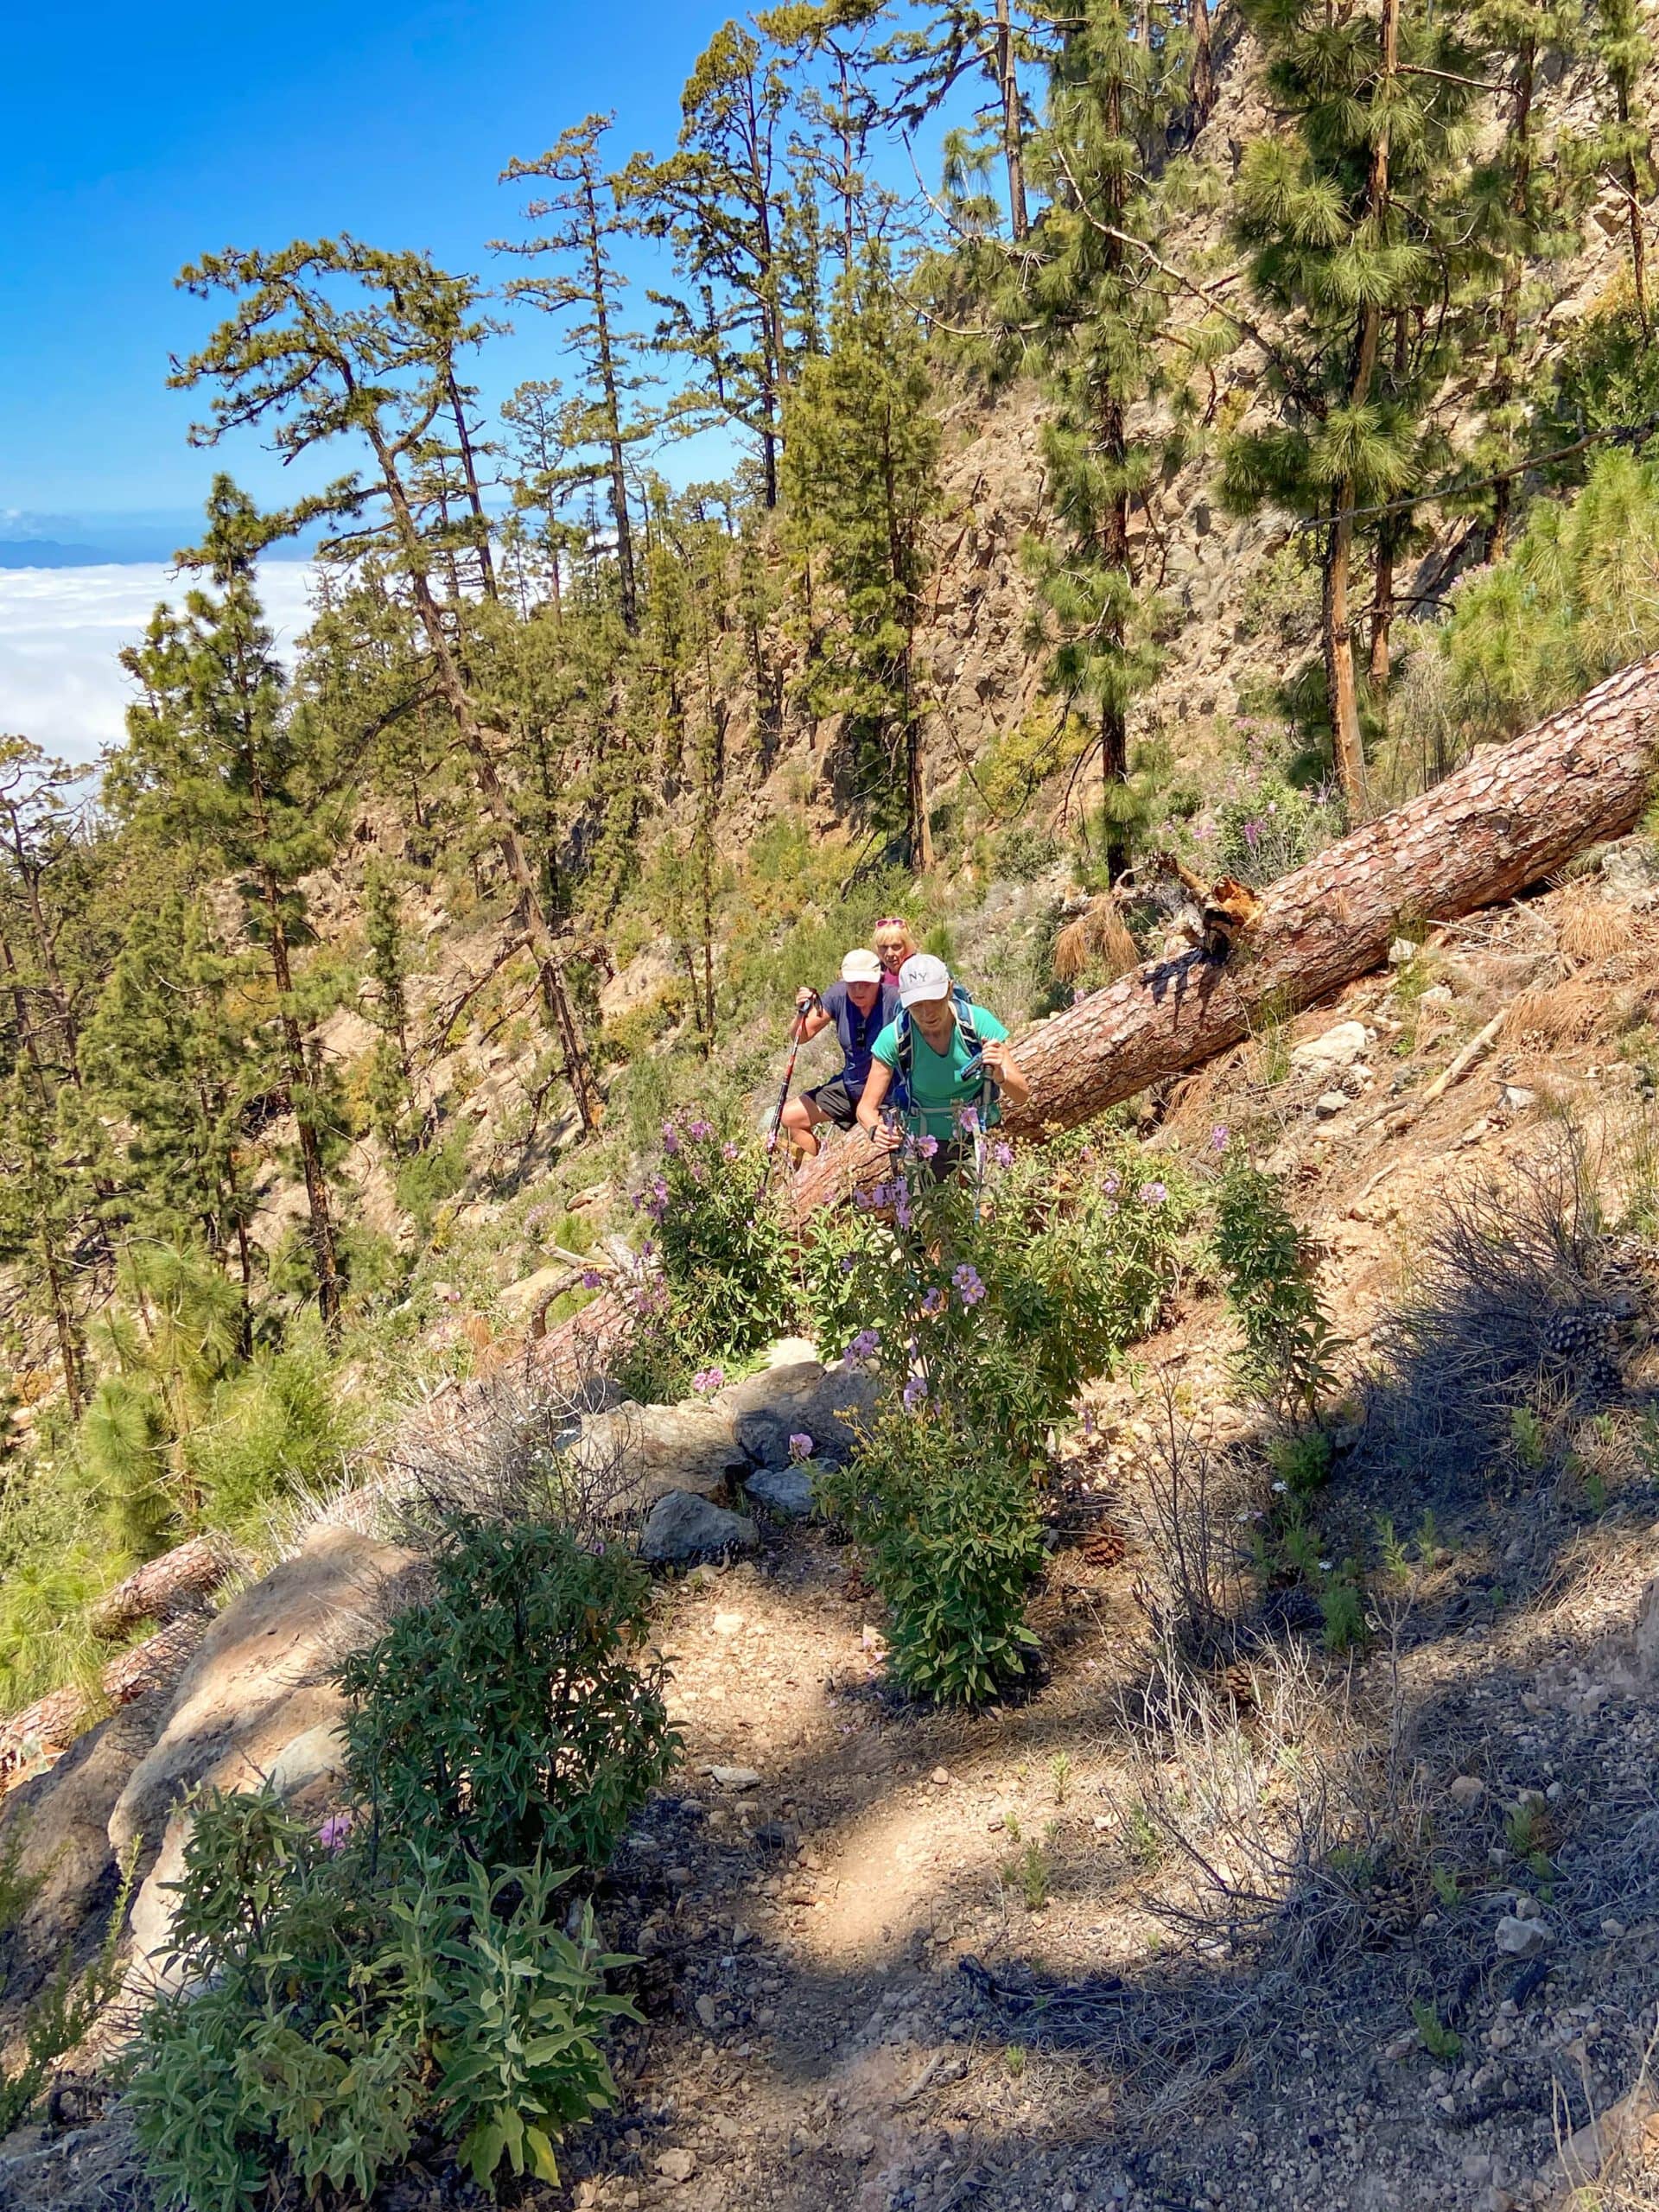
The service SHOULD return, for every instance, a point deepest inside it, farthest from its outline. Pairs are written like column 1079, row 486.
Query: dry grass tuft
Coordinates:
column 1592, row 928
column 1559, row 1013
column 1521, row 1300
column 1099, row 933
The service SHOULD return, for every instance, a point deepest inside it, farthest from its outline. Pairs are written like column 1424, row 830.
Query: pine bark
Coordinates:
column 1508, row 819
column 1014, row 148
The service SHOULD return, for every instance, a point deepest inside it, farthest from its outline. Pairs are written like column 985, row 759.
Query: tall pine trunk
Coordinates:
column 1014, row 148
column 474, row 497
column 1337, row 621
column 625, row 570
column 544, row 944
column 1509, row 312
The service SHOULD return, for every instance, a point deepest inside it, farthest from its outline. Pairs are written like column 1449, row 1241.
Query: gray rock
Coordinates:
column 1330, row 1102
column 803, row 1399
column 681, row 1526
column 1467, row 1789
column 785, row 1490
column 1436, row 997
column 735, row 1777
column 316, row 1755
column 1521, row 1939
column 646, row 1452
column 1336, row 1048
column 59, row 1824
column 1514, row 1097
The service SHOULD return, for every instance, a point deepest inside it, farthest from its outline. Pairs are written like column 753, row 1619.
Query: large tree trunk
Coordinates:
column 1512, row 815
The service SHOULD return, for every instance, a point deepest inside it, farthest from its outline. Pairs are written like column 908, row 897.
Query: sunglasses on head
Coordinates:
column 891, row 922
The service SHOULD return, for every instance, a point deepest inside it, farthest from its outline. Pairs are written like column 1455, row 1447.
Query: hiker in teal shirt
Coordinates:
column 941, row 1057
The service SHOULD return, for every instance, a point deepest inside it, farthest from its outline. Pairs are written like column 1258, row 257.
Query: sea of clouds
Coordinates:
column 61, row 629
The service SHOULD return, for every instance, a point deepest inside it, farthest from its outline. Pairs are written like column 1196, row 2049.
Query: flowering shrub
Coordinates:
column 1269, row 827
column 725, row 1281
column 953, row 1541
column 985, row 1322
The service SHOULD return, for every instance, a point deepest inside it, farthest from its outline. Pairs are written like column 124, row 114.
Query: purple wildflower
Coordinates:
column 699, row 1130
column 915, row 1391
column 729, row 1149
column 969, row 1288
column 969, row 1120
column 708, row 1379
column 1218, row 1137
column 1153, row 1193
column 847, row 1263
column 335, row 1831
column 591, row 1278
column 901, row 1206
column 925, row 1146
column 1111, row 1186
column 670, row 1137
column 865, row 1345
column 933, row 1304
column 800, row 1447
column 1252, row 834
column 1002, row 1152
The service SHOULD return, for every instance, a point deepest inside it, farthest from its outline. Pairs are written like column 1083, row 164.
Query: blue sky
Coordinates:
column 137, row 137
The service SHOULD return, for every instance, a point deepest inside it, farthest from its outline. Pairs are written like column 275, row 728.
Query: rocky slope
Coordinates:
column 1063, row 1951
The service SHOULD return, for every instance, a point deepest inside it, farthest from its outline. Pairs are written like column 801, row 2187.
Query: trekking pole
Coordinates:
column 776, row 1130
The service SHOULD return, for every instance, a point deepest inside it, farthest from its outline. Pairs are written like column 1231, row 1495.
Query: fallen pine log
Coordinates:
column 1506, row 819
column 180, row 1581
column 42, row 1733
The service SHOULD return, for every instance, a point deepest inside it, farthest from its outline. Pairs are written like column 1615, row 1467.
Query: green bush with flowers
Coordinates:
column 985, row 1308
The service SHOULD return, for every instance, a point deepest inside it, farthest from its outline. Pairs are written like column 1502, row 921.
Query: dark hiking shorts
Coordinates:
column 835, row 1102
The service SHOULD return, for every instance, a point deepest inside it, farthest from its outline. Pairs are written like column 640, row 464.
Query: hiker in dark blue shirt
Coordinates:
column 861, row 1005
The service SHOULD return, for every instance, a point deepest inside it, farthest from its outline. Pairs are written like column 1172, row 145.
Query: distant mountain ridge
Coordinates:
column 50, row 553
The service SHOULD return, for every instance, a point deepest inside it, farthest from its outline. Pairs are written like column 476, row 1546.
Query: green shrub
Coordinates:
column 985, row 1319
column 1288, row 1344
column 1024, row 851
column 724, row 1252
column 950, row 1523
column 428, row 1180
column 329, row 2018
column 514, row 1710
column 1268, row 827
column 279, row 1427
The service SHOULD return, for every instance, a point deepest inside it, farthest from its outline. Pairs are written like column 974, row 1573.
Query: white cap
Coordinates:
column 923, row 976
column 861, row 967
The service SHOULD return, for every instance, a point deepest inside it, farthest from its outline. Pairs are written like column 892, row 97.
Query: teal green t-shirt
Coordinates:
column 939, row 1086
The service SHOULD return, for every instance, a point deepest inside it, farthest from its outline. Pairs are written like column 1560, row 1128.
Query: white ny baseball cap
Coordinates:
column 924, row 976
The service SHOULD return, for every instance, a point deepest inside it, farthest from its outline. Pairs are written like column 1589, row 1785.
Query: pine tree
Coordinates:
column 1518, row 193
column 40, row 854
column 603, row 420
column 1353, row 228
column 169, row 1055
column 212, row 754
column 47, row 1214
column 1093, row 285
column 1619, row 150
column 861, row 474
column 724, row 202
column 959, row 43
column 339, row 341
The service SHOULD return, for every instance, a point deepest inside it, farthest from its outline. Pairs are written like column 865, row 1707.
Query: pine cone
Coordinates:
column 1236, row 1682
column 1104, row 1545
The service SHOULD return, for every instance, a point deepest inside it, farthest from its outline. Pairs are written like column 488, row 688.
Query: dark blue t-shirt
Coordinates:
column 858, row 1031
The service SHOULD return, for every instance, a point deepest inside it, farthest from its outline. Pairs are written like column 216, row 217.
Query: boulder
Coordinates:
column 259, row 1679
column 681, row 1526
column 59, row 1823
column 657, row 1449
column 787, row 1491
column 1334, row 1048
column 826, row 1403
